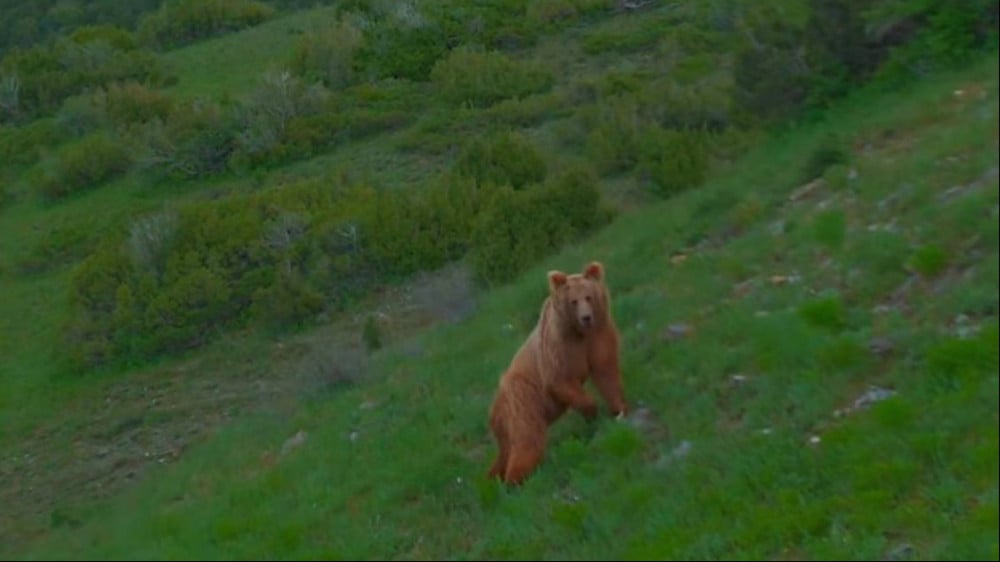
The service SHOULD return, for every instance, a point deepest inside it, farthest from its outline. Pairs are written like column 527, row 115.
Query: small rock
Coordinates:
column 293, row 442
column 765, row 431
column 814, row 440
column 678, row 259
column 874, row 394
column 738, row 379
column 641, row 418
column 902, row 552
column 881, row 346
column 367, row 405
column 677, row 331
column 807, row 190
column 682, row 450
column 678, row 452
column 353, row 436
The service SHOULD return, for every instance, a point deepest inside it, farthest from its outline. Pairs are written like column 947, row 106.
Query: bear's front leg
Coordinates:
column 575, row 396
column 606, row 374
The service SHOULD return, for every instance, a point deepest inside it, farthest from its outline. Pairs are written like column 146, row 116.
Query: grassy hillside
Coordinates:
column 812, row 364
column 231, row 64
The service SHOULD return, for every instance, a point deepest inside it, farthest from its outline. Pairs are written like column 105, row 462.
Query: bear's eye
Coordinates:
column 573, row 301
column 588, row 298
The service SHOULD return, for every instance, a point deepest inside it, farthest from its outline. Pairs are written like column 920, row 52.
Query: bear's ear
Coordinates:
column 556, row 279
column 594, row 270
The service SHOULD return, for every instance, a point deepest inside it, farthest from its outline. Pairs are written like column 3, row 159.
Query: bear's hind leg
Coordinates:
column 525, row 455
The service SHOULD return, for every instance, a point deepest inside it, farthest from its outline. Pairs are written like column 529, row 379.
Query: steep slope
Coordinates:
column 813, row 365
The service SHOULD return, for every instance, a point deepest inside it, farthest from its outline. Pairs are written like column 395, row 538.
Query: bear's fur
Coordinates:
column 575, row 339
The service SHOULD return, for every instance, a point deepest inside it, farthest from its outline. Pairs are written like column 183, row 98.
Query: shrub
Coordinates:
column 674, row 160
column 87, row 163
column 924, row 36
column 499, row 24
column 827, row 153
column 57, row 246
column 130, row 102
column 551, row 12
column 117, row 37
column 482, row 78
column 22, row 146
column 46, row 75
column 403, row 52
column 196, row 140
column 770, row 82
column 371, row 334
column 119, row 105
column 928, row 260
column 624, row 40
column 275, row 258
column 179, row 22
column 615, row 129
column 529, row 111
column 327, row 55
column 505, row 158
column 265, row 116
column 521, row 227
column 81, row 114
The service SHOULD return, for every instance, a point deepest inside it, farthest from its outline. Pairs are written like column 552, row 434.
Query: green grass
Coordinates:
column 743, row 467
column 233, row 63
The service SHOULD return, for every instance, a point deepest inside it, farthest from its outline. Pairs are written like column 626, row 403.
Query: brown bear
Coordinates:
column 575, row 339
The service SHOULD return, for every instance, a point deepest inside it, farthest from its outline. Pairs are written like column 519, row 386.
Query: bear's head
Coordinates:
column 581, row 298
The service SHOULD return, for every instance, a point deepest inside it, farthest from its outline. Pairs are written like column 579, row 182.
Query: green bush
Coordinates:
column 481, row 78
column 556, row 13
column 58, row 246
column 81, row 114
column 499, row 24
column 23, row 146
column 179, row 22
column 674, row 160
column 703, row 105
column 521, row 227
column 117, row 37
column 264, row 117
column 196, row 140
column 828, row 153
column 623, row 41
column 371, row 335
column 529, row 111
column 327, row 55
column 544, row 13
column 119, row 105
column 129, row 102
column 615, row 128
column 504, row 158
column 48, row 74
column 274, row 258
column 401, row 52
column 928, row 260
column 82, row 165
column 934, row 35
